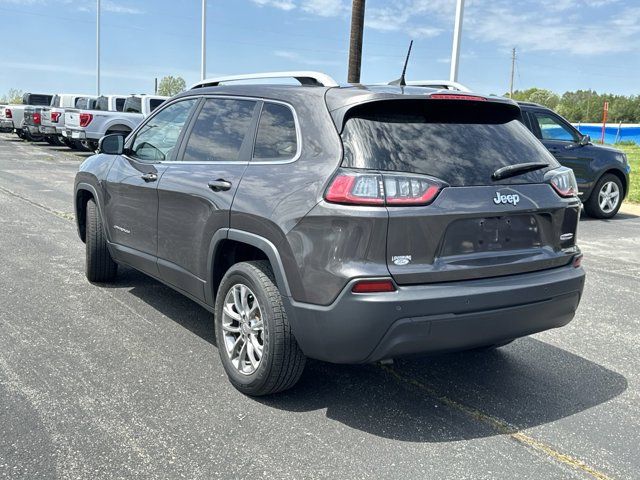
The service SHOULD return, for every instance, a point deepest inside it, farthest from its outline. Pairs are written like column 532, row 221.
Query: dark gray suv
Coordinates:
column 347, row 224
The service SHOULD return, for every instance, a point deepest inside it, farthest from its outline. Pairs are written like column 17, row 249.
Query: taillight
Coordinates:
column 36, row 118
column 7, row 113
column 577, row 260
column 85, row 119
column 364, row 188
column 564, row 182
column 453, row 96
column 374, row 286
column 55, row 116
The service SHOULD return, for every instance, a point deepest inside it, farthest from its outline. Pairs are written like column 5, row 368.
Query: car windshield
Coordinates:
column 460, row 142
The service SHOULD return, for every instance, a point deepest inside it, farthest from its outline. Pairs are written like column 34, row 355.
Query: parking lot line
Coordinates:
column 500, row 426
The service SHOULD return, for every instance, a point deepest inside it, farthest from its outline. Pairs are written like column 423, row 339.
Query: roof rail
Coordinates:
column 304, row 77
column 439, row 83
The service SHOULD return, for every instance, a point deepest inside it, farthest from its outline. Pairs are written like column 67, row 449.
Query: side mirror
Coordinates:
column 112, row 144
column 584, row 140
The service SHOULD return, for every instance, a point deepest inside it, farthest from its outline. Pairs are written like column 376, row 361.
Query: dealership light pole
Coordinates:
column 457, row 37
column 203, row 60
column 98, row 48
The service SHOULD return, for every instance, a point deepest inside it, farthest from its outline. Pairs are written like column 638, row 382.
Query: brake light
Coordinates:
column 36, row 118
column 85, row 119
column 452, row 96
column 7, row 113
column 564, row 182
column 55, row 116
column 577, row 260
column 378, row 189
column 374, row 286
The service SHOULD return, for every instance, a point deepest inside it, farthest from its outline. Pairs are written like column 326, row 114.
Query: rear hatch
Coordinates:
column 32, row 115
column 450, row 216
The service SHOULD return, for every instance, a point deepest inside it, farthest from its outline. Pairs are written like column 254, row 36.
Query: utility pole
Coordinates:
column 355, row 46
column 98, row 49
column 203, row 60
column 513, row 68
column 457, row 37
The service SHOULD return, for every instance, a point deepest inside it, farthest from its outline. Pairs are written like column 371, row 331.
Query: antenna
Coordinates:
column 401, row 80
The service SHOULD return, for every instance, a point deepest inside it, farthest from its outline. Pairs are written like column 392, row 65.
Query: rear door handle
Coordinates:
column 149, row 177
column 219, row 185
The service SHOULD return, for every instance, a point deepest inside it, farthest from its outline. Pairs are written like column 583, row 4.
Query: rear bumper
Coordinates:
column 75, row 134
column 47, row 130
column 6, row 125
column 361, row 328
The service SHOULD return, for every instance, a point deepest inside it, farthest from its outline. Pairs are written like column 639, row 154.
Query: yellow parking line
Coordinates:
column 500, row 426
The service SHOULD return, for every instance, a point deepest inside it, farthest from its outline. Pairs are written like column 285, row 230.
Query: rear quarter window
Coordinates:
column 276, row 138
column 460, row 142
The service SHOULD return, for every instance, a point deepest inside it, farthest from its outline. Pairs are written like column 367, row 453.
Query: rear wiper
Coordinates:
column 513, row 170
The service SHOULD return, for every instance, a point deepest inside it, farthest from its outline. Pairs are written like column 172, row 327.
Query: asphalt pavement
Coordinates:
column 124, row 380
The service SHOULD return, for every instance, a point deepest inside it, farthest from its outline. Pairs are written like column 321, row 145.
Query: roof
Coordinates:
column 530, row 104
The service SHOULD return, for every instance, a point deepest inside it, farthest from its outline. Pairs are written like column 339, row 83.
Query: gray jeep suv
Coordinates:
column 346, row 224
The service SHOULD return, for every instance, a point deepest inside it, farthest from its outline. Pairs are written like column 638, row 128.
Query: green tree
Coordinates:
column 170, row 86
column 537, row 95
column 12, row 97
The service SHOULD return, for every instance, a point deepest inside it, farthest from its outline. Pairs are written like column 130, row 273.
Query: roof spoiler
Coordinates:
column 310, row 78
column 445, row 84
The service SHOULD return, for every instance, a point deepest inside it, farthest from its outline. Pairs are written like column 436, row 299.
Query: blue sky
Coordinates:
column 49, row 45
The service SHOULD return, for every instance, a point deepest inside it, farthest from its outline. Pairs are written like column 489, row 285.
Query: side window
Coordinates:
column 552, row 129
column 155, row 103
column 159, row 135
column 276, row 138
column 219, row 131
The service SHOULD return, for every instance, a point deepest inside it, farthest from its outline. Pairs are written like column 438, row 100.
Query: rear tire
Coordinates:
column 99, row 266
column 606, row 197
column 250, row 318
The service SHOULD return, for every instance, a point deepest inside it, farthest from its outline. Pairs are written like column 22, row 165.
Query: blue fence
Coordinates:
column 613, row 133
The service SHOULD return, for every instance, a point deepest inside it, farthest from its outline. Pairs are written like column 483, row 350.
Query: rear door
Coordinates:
column 563, row 141
column 131, row 197
column 476, row 226
column 196, row 192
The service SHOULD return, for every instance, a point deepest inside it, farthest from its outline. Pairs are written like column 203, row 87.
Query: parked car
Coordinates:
column 346, row 224
column 91, row 125
column 602, row 172
column 14, row 114
column 4, row 126
column 52, row 117
column 31, row 123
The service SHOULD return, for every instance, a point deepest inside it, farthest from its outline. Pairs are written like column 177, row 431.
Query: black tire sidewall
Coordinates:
column 254, row 382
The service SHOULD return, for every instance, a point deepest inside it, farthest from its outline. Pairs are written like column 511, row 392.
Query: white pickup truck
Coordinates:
column 91, row 125
column 14, row 114
column 52, row 117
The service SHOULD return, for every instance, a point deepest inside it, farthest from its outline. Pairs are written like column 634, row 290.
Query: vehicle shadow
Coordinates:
column 428, row 399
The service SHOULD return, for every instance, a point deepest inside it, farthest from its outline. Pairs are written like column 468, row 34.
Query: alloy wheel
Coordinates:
column 608, row 197
column 243, row 329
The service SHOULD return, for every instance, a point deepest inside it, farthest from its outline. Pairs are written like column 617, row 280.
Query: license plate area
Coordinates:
column 491, row 234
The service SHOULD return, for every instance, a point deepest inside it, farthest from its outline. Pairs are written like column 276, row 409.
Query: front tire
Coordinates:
column 99, row 266
column 606, row 198
column 258, row 350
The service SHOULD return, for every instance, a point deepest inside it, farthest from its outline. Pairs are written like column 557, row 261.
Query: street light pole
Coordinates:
column 98, row 48
column 203, row 60
column 355, row 46
column 457, row 37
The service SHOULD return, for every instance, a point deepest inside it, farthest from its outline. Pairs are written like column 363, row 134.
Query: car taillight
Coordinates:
column 364, row 188
column 374, row 286
column 7, row 113
column 55, row 116
column 36, row 118
column 564, row 182
column 85, row 119
column 577, row 260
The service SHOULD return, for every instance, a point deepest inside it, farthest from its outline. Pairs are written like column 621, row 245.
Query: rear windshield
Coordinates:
column 102, row 103
column 36, row 99
column 133, row 105
column 460, row 142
